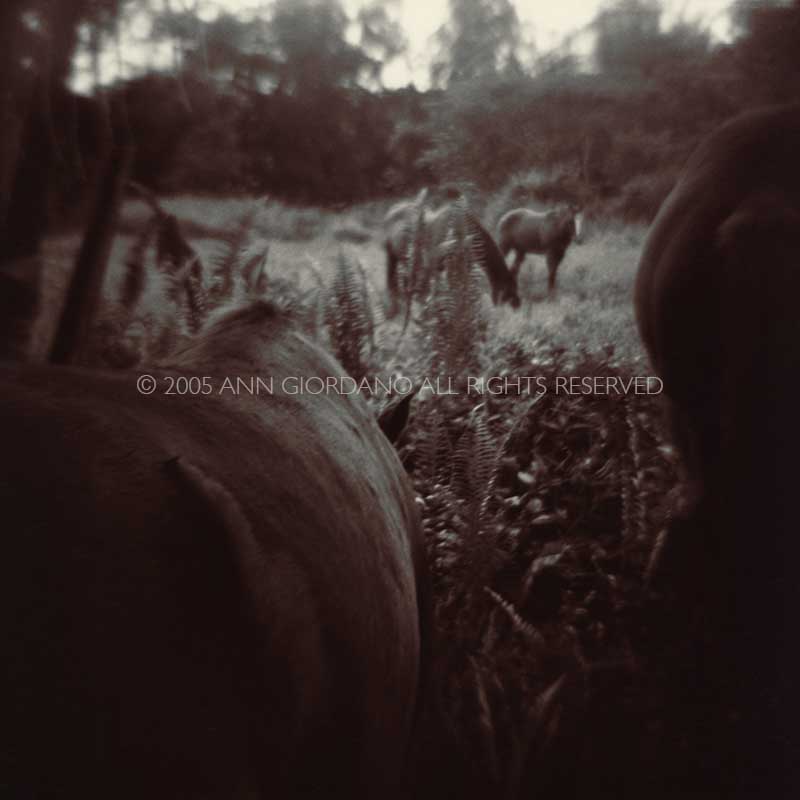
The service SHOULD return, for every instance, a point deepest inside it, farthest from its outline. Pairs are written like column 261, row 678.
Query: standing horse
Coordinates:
column 219, row 593
column 439, row 235
column 399, row 225
column 716, row 296
column 547, row 233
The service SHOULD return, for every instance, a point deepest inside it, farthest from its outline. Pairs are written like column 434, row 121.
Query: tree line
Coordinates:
column 293, row 104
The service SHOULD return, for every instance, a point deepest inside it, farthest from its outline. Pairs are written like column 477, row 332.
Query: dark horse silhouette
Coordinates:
column 439, row 237
column 213, row 594
column 547, row 233
column 716, row 298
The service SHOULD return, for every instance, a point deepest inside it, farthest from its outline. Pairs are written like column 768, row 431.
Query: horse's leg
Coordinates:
column 552, row 268
column 519, row 257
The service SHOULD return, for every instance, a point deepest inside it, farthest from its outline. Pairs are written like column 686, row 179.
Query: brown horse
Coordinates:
column 547, row 233
column 439, row 237
column 715, row 301
column 206, row 592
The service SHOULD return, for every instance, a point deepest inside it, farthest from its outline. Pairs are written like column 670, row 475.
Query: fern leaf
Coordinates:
column 349, row 318
column 227, row 262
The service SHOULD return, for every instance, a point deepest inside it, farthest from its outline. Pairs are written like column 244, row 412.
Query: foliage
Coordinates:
column 482, row 40
column 642, row 196
column 341, row 155
column 241, row 108
column 349, row 318
column 227, row 263
column 538, row 510
column 767, row 51
column 630, row 40
column 381, row 36
column 453, row 322
column 128, row 332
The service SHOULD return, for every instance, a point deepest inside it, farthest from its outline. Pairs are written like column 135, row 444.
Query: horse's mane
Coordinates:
column 232, row 332
column 254, row 314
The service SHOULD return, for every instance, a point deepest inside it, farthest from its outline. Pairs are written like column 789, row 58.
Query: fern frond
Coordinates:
column 483, row 461
column 437, row 317
column 226, row 264
column 254, row 270
column 411, row 269
column 633, row 511
column 317, row 299
column 525, row 629
column 369, row 308
column 195, row 296
column 349, row 320
column 435, row 451
column 453, row 318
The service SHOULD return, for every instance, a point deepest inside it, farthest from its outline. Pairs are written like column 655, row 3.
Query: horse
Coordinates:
column 547, row 233
column 207, row 591
column 714, row 299
column 439, row 235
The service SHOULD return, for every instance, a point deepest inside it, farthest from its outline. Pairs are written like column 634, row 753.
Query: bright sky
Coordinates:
column 545, row 22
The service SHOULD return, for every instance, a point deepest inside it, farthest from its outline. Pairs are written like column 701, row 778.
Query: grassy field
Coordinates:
column 556, row 675
column 593, row 307
column 592, row 310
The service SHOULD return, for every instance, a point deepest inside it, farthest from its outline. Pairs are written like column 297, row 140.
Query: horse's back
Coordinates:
column 720, row 251
column 522, row 228
column 120, row 603
column 715, row 302
column 400, row 222
column 184, row 592
column 745, row 162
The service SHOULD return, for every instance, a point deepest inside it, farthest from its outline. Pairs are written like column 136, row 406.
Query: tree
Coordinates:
column 481, row 40
column 226, row 48
column 766, row 53
column 382, row 38
column 311, row 49
column 630, row 42
column 627, row 34
column 38, row 39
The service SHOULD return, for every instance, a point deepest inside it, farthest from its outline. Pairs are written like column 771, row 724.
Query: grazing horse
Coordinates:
column 221, row 593
column 399, row 224
column 502, row 280
column 715, row 303
column 547, row 233
column 439, row 238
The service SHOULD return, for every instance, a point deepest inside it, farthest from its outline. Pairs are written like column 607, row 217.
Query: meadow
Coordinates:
column 557, row 671
column 592, row 310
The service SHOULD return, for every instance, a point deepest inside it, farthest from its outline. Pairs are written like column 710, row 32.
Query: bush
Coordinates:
column 642, row 196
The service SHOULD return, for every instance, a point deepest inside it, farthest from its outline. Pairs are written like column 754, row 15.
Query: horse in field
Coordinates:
column 440, row 232
column 547, row 233
column 215, row 593
column 715, row 301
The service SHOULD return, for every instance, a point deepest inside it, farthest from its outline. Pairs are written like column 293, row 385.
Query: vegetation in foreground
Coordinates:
column 542, row 509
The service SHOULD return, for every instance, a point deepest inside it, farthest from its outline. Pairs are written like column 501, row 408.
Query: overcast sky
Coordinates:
column 545, row 22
